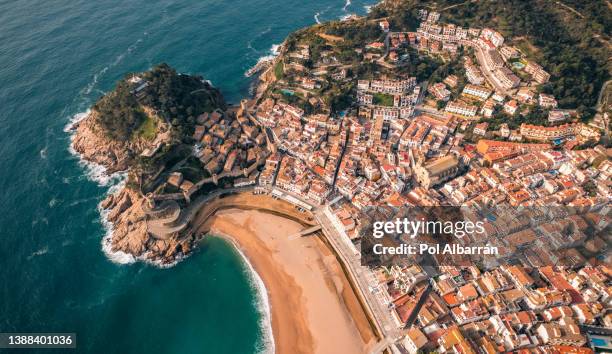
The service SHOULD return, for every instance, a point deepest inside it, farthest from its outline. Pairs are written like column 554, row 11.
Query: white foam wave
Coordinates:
column 90, row 86
column 316, row 17
column 273, row 52
column 118, row 59
column 118, row 257
column 80, row 201
column 84, row 98
column 40, row 252
column 40, row 220
column 262, row 302
column 76, row 119
column 96, row 172
column 346, row 5
column 53, row 202
column 43, row 153
column 368, row 8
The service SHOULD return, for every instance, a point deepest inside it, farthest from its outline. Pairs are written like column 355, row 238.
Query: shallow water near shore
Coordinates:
column 57, row 59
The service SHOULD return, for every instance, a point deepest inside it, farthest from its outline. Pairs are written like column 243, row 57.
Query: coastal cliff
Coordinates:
column 91, row 142
column 130, row 234
column 142, row 127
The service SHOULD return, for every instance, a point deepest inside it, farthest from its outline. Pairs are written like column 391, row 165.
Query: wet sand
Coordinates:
column 314, row 309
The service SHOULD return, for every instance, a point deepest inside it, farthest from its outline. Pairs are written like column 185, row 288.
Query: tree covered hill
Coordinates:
column 569, row 38
column 176, row 98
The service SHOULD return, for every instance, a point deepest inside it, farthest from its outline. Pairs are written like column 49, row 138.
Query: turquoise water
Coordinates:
column 56, row 58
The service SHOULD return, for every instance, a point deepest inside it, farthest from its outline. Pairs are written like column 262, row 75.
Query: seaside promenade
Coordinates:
column 366, row 286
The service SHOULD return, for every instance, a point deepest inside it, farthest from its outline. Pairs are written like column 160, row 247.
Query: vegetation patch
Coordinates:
column 278, row 70
column 382, row 99
column 147, row 129
column 174, row 97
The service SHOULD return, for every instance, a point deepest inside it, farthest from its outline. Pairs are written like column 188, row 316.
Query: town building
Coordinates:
column 481, row 92
column 481, row 128
column 506, row 78
column 547, row 101
column 436, row 172
column 511, row 107
column 537, row 72
column 536, row 132
column 488, row 109
column 461, row 108
column 439, row 91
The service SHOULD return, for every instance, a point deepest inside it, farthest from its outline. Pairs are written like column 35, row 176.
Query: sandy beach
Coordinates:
column 314, row 309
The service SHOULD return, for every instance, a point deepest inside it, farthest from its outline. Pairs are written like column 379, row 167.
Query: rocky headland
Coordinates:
column 142, row 128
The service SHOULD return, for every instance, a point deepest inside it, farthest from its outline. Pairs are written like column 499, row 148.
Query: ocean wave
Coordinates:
column 66, row 243
column 84, row 98
column 90, row 86
column 118, row 257
column 118, row 59
column 346, row 5
column 72, row 122
column 93, row 171
column 262, row 302
column 43, row 220
column 258, row 36
column 53, row 202
column 40, row 252
column 96, row 172
column 272, row 53
column 43, row 153
column 81, row 201
column 316, row 17
column 346, row 17
column 368, row 8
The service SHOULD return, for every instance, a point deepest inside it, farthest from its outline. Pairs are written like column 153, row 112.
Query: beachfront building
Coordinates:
column 451, row 81
column 557, row 115
column 493, row 36
column 525, row 95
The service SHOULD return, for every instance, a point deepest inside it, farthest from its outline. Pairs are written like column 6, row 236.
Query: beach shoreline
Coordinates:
column 313, row 307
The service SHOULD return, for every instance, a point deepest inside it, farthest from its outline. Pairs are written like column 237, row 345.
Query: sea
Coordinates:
column 56, row 58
